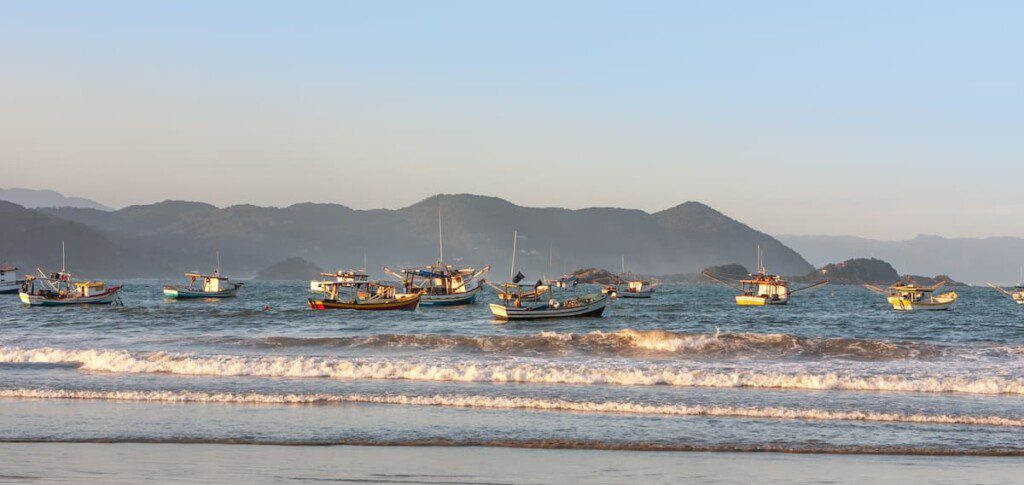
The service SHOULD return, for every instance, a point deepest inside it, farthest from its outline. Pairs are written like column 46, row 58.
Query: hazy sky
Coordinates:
column 881, row 119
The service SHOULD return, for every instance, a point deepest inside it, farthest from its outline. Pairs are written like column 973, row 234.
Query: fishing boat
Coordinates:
column 204, row 286
column 441, row 284
column 1016, row 293
column 905, row 295
column 59, row 288
column 635, row 285
column 9, row 282
column 762, row 288
column 522, row 303
column 364, row 295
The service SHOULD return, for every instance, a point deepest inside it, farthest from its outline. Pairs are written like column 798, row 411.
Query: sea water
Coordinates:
column 835, row 371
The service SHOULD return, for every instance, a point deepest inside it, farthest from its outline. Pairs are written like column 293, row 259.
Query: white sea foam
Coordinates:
column 519, row 403
column 934, row 379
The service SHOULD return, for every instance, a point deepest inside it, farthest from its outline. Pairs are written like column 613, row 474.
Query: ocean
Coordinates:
column 833, row 374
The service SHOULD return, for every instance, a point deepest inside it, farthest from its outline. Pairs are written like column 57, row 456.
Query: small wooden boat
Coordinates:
column 907, row 296
column 204, row 286
column 530, row 308
column 519, row 309
column 60, row 289
column 364, row 295
column 761, row 288
column 9, row 282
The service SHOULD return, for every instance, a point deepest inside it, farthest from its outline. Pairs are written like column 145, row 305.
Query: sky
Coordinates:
column 877, row 119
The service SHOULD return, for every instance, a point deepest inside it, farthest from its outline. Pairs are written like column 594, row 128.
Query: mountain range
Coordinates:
column 167, row 238
column 47, row 198
column 974, row 260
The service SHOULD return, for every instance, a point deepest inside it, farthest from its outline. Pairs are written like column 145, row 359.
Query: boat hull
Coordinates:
column 10, row 287
column 452, row 299
column 176, row 293
column 635, row 294
column 749, row 300
column 940, row 302
column 407, row 304
column 594, row 309
column 105, row 298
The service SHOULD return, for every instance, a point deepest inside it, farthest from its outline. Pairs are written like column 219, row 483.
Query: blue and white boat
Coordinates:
column 204, row 286
column 441, row 284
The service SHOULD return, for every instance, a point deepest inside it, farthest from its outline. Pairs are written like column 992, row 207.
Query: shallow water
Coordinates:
column 835, row 371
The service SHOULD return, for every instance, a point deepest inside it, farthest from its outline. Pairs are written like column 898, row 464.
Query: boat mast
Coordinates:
column 217, row 272
column 551, row 250
column 63, row 259
column 440, row 234
column 515, row 237
column 623, row 265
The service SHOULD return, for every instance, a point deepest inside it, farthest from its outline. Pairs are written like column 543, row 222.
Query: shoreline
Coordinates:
column 559, row 445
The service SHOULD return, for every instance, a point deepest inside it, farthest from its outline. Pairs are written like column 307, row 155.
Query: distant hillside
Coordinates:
column 32, row 239
column 290, row 269
column 47, row 198
column 478, row 230
column 973, row 260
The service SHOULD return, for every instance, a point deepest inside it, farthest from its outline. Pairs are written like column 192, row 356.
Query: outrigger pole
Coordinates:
column 722, row 281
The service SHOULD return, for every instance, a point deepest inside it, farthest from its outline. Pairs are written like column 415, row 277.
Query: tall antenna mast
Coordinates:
column 440, row 233
column 63, row 259
column 623, row 264
column 364, row 263
column 551, row 252
column 217, row 273
column 512, row 269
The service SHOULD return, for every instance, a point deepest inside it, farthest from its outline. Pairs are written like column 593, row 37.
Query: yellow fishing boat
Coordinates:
column 907, row 296
column 761, row 288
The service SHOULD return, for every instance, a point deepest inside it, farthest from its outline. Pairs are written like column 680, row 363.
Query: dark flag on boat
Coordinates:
column 539, row 284
column 519, row 277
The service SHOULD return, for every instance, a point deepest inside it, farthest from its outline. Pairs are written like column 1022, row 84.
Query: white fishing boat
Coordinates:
column 441, row 284
column 635, row 286
column 9, row 282
column 204, row 286
column 59, row 289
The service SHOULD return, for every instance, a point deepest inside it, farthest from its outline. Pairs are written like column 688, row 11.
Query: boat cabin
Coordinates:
column 210, row 283
column 765, row 286
column 514, row 294
column 638, row 286
column 90, row 288
column 910, row 292
column 354, row 291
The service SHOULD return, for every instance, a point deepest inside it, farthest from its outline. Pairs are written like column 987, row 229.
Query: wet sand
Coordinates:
column 200, row 463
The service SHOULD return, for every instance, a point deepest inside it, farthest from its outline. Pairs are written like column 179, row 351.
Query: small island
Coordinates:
column 291, row 269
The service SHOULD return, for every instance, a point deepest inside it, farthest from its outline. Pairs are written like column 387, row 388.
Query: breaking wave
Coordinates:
column 630, row 342
column 933, row 379
column 516, row 403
